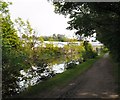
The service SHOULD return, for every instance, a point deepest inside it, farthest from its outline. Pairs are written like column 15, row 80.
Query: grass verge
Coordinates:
column 59, row 80
column 117, row 75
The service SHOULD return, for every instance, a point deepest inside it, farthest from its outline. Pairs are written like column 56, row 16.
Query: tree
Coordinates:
column 17, row 49
column 29, row 40
column 10, row 52
column 100, row 18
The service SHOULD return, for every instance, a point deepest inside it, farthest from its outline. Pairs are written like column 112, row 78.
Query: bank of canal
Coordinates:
column 57, row 81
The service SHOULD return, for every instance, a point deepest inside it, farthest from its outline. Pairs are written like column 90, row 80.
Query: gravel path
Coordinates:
column 97, row 82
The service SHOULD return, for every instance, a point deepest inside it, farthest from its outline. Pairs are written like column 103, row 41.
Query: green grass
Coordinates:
column 59, row 80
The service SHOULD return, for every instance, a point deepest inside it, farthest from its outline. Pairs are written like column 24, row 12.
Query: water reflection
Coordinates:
column 35, row 74
column 58, row 68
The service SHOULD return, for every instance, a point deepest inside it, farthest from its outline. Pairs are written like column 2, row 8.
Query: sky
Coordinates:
column 41, row 15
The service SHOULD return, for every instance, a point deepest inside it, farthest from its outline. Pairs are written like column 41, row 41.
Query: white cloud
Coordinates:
column 41, row 15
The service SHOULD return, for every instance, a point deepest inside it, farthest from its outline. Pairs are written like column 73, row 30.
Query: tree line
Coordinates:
column 57, row 37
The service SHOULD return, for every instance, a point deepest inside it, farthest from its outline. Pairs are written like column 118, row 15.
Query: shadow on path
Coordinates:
column 97, row 82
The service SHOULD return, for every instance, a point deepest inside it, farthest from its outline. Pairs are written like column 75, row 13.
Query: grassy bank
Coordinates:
column 116, row 72
column 59, row 80
column 117, row 75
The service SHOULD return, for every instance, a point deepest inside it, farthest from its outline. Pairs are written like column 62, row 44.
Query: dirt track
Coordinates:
column 97, row 82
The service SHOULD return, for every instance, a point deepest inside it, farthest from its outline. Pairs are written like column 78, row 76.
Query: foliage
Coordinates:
column 97, row 17
column 10, row 51
column 22, row 49
column 104, row 50
column 57, row 37
column 89, row 52
column 28, row 39
column 17, row 50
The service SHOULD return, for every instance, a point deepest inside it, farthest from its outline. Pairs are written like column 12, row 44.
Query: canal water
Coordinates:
column 37, row 74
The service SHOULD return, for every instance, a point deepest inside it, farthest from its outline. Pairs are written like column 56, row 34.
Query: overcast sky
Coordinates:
column 41, row 15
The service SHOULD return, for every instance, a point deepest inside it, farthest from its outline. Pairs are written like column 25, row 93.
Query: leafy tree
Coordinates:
column 97, row 17
column 18, row 42
column 10, row 52
column 61, row 38
column 29, row 41
column 89, row 52
column 41, row 39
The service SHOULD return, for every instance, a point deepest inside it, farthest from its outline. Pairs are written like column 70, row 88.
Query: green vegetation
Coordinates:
column 102, row 18
column 89, row 18
column 19, row 40
column 10, row 51
column 57, row 37
column 89, row 51
column 19, row 50
column 60, row 80
column 116, row 73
